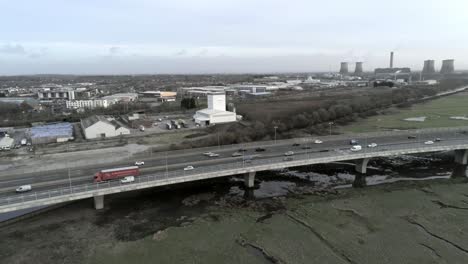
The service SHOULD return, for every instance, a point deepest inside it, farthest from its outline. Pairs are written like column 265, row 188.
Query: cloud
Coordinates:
column 114, row 50
column 12, row 49
column 40, row 53
column 181, row 52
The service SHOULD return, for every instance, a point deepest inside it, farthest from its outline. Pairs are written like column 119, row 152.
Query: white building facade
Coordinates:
column 90, row 104
column 216, row 112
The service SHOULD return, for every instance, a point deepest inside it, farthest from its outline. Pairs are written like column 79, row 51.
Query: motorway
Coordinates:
column 175, row 161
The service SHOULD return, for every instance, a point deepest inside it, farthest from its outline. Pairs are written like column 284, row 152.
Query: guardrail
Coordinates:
column 75, row 192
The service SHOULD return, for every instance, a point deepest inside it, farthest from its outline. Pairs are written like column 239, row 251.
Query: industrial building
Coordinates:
column 448, row 66
column 122, row 97
column 163, row 96
column 90, row 104
column 56, row 94
column 216, row 112
column 102, row 127
column 51, row 133
column 429, row 67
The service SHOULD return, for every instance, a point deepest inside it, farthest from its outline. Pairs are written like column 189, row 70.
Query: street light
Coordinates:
column 275, row 127
column 331, row 123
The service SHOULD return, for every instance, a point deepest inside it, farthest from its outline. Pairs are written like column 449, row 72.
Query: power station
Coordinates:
column 448, row 66
column 429, row 67
column 358, row 69
column 344, row 68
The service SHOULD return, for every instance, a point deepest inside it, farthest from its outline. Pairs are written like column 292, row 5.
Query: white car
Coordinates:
column 128, row 179
column 237, row 154
column 372, row 145
column 188, row 168
column 208, row 153
column 213, row 155
column 23, row 188
column 289, row 153
column 318, row 141
column 139, row 163
column 429, row 142
column 356, row 148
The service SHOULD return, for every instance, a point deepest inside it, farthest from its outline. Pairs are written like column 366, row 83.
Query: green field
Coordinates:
column 437, row 113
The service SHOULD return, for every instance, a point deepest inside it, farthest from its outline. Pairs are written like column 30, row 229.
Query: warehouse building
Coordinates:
column 162, row 96
column 102, row 127
column 216, row 112
column 51, row 133
column 122, row 97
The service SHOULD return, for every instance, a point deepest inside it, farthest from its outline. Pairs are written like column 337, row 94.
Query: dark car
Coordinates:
column 411, row 137
column 260, row 149
column 288, row 158
column 306, row 147
column 242, row 150
column 324, row 150
column 437, row 139
column 296, row 144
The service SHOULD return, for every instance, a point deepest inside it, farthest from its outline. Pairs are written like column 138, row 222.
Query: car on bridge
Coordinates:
column 429, row 142
column 411, row 137
column 296, row 145
column 437, row 139
column 372, row 145
column 188, row 168
column 24, row 188
column 128, row 179
column 237, row 154
column 289, row 153
column 139, row 163
column 353, row 142
column 317, row 141
column 260, row 149
column 356, row 148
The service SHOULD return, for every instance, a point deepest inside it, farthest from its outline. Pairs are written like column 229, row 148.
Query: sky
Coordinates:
column 227, row 36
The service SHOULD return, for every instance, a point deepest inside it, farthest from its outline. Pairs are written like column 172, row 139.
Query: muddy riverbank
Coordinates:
column 292, row 216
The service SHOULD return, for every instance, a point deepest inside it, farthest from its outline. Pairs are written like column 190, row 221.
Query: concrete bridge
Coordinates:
column 398, row 143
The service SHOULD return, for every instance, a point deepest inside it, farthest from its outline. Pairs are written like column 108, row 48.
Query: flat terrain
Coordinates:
column 437, row 113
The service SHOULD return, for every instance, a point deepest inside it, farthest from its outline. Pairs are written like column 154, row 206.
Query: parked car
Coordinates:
column 296, row 144
column 260, row 149
column 188, row 168
column 24, row 188
column 356, row 148
column 237, row 154
column 372, row 145
column 353, row 142
column 128, row 179
column 318, row 141
column 289, row 153
column 429, row 142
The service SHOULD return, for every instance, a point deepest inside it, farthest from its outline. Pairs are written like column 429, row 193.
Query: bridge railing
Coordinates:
column 302, row 157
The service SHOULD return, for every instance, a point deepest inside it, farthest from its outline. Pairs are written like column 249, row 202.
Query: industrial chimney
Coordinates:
column 447, row 66
column 344, row 68
column 391, row 60
column 429, row 67
column 358, row 70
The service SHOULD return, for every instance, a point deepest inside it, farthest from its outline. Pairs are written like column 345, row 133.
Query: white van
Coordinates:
column 23, row 188
column 356, row 148
column 127, row 179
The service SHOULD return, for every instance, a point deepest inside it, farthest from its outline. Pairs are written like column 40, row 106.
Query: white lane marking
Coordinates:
column 17, row 180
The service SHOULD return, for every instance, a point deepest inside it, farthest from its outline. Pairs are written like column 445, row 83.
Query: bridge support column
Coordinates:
column 361, row 169
column 249, row 179
column 99, row 202
column 459, row 171
column 461, row 156
column 361, row 165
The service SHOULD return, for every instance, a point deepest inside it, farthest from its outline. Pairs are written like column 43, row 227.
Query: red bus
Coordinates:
column 116, row 173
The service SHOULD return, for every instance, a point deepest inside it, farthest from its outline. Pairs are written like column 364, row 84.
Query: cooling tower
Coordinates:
column 429, row 67
column 447, row 66
column 344, row 68
column 358, row 70
column 391, row 60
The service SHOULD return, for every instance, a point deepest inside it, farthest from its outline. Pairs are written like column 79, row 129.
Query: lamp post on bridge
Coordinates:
column 331, row 123
column 275, row 127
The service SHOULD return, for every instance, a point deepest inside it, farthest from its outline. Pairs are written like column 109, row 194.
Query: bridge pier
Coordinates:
column 249, row 179
column 99, row 202
column 461, row 156
column 459, row 171
column 361, row 165
column 361, row 169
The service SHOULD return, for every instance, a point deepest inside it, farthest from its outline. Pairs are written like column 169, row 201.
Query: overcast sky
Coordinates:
column 227, row 36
